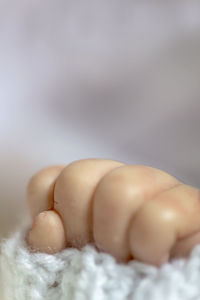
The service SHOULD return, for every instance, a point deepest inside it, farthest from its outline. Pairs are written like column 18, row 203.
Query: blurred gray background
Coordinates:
column 112, row 79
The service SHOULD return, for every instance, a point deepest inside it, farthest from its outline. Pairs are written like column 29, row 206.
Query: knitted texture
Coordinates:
column 88, row 274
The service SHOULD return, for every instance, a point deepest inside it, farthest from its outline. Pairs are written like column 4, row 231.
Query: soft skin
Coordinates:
column 129, row 211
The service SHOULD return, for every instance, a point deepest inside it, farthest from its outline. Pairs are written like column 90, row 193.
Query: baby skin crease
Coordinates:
column 128, row 211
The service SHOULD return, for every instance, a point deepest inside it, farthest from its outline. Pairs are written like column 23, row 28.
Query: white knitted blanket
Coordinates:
column 89, row 275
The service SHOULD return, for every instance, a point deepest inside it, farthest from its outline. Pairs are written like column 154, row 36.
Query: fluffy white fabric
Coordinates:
column 87, row 274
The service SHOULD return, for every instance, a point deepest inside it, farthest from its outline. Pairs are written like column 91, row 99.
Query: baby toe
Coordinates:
column 47, row 233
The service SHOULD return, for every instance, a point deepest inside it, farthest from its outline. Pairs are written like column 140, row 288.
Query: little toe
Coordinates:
column 47, row 233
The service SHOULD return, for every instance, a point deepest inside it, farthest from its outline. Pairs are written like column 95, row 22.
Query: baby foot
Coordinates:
column 125, row 210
